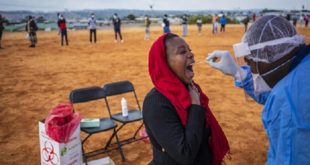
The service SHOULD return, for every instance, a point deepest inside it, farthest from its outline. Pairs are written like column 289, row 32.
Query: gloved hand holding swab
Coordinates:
column 225, row 64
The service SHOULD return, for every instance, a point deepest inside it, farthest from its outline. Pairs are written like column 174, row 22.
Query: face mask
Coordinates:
column 260, row 84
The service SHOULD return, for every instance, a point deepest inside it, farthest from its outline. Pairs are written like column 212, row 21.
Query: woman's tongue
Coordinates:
column 189, row 72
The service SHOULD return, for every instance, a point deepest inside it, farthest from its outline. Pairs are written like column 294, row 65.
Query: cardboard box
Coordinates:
column 90, row 123
column 54, row 153
column 102, row 161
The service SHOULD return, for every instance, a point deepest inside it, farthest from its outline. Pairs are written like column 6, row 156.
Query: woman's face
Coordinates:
column 180, row 59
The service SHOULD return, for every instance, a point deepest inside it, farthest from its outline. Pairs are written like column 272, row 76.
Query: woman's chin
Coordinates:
column 187, row 77
column 188, row 80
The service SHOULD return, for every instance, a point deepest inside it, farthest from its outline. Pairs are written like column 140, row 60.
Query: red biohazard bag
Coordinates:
column 144, row 135
column 61, row 122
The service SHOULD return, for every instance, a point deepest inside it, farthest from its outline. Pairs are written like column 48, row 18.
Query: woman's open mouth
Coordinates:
column 189, row 70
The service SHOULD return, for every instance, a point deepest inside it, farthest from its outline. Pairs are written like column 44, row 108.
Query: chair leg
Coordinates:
column 114, row 133
column 110, row 140
column 83, row 151
column 84, row 156
column 119, row 147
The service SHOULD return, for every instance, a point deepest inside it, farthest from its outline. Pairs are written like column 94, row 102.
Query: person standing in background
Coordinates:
column 166, row 24
column 92, row 28
column 306, row 19
column 147, row 23
column 253, row 17
column 214, row 24
column 1, row 29
column 223, row 22
column 295, row 21
column 63, row 28
column 58, row 18
column 184, row 26
column 199, row 25
column 288, row 17
column 246, row 21
column 117, row 27
column 31, row 28
column 301, row 20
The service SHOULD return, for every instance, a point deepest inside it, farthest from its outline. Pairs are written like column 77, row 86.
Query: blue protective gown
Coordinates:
column 286, row 115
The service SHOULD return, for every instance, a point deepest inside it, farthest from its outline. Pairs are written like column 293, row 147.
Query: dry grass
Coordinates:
column 35, row 80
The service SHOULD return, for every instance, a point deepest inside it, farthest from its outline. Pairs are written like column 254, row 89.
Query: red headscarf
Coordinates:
column 169, row 85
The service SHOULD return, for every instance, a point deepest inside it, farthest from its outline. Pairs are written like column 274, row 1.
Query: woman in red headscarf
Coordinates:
column 177, row 118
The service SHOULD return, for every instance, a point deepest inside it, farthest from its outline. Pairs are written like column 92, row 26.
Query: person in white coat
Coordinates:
column 92, row 25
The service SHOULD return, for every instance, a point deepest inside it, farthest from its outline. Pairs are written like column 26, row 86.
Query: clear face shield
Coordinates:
column 241, row 50
column 243, row 54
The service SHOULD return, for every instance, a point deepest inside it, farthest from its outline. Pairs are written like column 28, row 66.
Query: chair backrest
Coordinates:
column 86, row 94
column 117, row 88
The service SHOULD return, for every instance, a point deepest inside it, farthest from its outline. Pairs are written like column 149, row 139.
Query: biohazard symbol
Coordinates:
column 49, row 154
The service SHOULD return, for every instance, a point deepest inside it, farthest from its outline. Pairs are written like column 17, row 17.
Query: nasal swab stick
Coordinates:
column 201, row 62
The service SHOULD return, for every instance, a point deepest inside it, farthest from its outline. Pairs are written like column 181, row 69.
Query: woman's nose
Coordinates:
column 190, row 55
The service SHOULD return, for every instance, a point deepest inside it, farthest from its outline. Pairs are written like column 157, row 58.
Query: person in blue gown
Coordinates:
column 277, row 75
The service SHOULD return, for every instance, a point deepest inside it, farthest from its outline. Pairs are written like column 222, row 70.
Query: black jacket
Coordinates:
column 1, row 24
column 166, row 22
column 173, row 143
column 184, row 20
column 31, row 26
column 117, row 23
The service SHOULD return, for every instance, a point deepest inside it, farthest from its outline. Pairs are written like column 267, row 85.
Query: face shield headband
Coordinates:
column 243, row 49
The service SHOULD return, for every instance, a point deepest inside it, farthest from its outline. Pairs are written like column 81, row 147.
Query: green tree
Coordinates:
column 40, row 19
column 231, row 20
column 131, row 17
column 205, row 19
column 5, row 21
